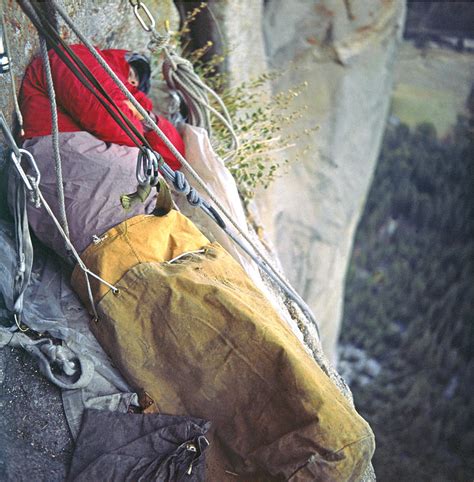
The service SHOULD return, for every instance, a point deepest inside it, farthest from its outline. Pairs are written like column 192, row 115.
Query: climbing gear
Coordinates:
column 25, row 250
column 79, row 69
column 43, row 26
column 56, row 362
column 24, row 247
column 149, row 24
column 148, row 176
column 139, row 446
column 239, row 358
column 181, row 77
column 148, row 163
column 256, row 253
column 4, row 60
column 54, row 135
column 6, row 66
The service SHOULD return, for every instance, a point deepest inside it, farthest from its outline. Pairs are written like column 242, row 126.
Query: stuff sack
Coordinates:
column 189, row 329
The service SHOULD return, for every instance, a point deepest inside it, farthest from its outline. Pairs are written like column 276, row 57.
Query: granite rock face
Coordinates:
column 345, row 51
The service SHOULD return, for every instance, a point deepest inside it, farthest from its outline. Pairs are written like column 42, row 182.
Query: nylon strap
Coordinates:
column 24, row 250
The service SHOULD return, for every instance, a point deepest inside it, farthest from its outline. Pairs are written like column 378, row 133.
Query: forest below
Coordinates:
column 409, row 304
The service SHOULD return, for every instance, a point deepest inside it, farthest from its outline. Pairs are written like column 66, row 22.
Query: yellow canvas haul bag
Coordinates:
column 201, row 340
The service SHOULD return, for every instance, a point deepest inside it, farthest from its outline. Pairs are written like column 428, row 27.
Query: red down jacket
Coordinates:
column 79, row 109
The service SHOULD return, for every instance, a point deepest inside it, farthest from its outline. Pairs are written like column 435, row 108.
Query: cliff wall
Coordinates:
column 345, row 51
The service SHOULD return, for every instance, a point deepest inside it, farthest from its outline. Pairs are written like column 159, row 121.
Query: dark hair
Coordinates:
column 141, row 64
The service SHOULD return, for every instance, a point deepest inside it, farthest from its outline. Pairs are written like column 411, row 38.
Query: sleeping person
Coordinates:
column 185, row 325
column 98, row 157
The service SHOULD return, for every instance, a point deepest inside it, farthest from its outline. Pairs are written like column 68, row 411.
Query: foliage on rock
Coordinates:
column 260, row 120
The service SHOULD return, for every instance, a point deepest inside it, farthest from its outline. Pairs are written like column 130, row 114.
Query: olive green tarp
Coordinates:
column 199, row 338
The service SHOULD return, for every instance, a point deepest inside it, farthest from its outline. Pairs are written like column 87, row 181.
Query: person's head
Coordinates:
column 140, row 71
column 133, row 77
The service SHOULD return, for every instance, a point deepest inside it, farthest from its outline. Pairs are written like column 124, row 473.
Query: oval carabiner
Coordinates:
column 17, row 162
column 155, row 164
column 142, row 172
column 4, row 60
column 149, row 16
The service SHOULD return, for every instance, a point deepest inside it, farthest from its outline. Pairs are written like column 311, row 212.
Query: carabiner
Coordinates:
column 17, row 162
column 142, row 171
column 136, row 10
column 148, row 164
column 4, row 60
column 155, row 164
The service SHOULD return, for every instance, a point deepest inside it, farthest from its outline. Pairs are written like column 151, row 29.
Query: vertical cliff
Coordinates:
column 345, row 51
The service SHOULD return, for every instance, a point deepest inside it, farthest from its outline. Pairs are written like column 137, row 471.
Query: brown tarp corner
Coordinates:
column 134, row 447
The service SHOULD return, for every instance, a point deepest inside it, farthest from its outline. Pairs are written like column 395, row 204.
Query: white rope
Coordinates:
column 19, row 116
column 282, row 282
column 34, row 184
column 54, row 135
column 180, row 76
column 177, row 70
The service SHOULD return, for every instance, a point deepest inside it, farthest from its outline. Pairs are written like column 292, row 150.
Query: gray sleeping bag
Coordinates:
column 95, row 175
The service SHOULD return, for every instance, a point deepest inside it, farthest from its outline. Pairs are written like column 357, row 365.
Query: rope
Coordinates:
column 58, row 363
column 180, row 76
column 19, row 116
column 259, row 257
column 24, row 250
column 55, row 135
column 66, row 54
column 34, row 184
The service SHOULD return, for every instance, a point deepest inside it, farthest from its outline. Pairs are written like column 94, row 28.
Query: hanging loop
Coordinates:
column 147, row 171
column 4, row 60
column 17, row 162
column 148, row 24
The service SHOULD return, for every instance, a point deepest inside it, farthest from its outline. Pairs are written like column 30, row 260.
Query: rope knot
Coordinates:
column 180, row 182
column 158, row 41
column 193, row 197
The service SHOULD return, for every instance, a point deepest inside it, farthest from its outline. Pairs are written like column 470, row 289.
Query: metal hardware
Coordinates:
column 98, row 239
column 31, row 160
column 4, row 60
column 149, row 17
column 147, row 171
